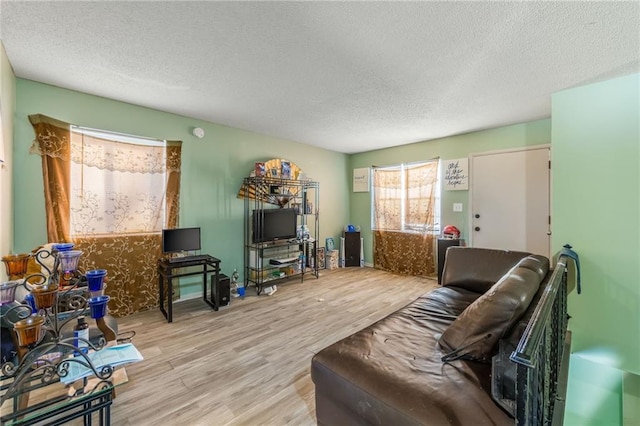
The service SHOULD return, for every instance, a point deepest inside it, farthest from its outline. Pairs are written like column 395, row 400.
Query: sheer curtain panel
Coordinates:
column 403, row 223
column 113, row 195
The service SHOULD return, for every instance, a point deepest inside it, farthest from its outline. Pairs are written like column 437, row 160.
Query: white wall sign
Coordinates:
column 361, row 180
column 456, row 175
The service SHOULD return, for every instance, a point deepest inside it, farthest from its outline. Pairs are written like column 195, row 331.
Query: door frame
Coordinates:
column 506, row 151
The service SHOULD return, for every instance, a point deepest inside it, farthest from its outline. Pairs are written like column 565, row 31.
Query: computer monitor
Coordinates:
column 180, row 239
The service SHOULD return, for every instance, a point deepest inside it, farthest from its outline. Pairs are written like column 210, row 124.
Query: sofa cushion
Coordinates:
column 477, row 269
column 451, row 301
column 390, row 373
column 474, row 334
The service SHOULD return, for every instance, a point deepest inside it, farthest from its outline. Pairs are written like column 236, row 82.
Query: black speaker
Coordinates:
column 351, row 249
column 443, row 245
column 224, row 287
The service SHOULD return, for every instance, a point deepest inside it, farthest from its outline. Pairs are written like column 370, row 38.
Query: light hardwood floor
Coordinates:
column 249, row 363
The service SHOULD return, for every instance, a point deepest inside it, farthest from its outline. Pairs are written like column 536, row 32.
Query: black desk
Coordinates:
column 166, row 274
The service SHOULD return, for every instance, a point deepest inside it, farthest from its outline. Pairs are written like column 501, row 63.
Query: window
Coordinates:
column 405, row 214
column 110, row 195
column 118, row 184
column 406, row 198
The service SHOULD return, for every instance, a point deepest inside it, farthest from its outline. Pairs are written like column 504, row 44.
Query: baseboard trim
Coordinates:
column 189, row 296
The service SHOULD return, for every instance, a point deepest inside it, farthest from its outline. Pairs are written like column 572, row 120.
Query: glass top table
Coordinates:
column 57, row 403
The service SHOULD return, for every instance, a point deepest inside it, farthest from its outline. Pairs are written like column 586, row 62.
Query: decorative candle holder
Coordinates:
column 95, row 279
column 63, row 246
column 98, row 306
column 16, row 265
column 68, row 265
column 8, row 291
column 45, row 296
column 48, row 298
column 29, row 330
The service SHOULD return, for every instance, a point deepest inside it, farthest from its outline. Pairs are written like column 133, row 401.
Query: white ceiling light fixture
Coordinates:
column 198, row 132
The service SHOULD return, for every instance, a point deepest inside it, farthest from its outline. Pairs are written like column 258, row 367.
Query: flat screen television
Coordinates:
column 274, row 225
column 180, row 239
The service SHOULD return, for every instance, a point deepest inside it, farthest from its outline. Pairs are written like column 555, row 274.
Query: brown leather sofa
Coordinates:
column 430, row 362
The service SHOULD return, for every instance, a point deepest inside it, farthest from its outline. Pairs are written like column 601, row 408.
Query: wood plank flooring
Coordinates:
column 249, row 363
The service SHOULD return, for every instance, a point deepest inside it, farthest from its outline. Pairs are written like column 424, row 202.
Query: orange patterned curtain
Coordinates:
column 119, row 196
column 52, row 142
column 404, row 207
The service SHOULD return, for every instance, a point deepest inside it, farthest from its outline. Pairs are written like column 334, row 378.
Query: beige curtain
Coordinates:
column 404, row 206
column 118, row 227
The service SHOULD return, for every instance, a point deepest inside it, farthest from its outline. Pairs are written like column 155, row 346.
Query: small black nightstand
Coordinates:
column 443, row 245
column 352, row 249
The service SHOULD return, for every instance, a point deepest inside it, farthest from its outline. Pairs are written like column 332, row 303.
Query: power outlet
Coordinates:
column 457, row 207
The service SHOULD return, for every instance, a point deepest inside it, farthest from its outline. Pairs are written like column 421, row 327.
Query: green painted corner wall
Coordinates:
column 460, row 146
column 212, row 167
column 596, row 208
column 7, row 108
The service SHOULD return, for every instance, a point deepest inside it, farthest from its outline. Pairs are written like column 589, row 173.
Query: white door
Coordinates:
column 510, row 201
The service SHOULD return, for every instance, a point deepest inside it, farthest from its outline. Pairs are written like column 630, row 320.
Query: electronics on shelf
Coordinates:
column 180, row 240
column 274, row 224
column 284, row 261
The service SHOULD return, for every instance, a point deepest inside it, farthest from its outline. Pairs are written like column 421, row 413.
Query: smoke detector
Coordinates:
column 198, row 132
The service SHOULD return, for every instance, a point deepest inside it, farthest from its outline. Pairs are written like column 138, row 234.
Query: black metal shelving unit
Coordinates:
column 268, row 262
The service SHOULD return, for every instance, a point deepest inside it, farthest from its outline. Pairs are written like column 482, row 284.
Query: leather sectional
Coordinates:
column 430, row 362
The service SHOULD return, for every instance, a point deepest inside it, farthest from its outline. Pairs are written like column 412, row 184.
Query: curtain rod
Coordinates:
column 407, row 164
column 109, row 132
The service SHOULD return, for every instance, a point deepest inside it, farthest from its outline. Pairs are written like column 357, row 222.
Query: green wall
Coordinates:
column 7, row 107
column 501, row 138
column 212, row 167
column 596, row 205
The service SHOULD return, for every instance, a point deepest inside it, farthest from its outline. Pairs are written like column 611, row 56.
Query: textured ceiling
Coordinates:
column 347, row 76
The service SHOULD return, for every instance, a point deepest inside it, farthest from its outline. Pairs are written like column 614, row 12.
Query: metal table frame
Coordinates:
column 60, row 410
column 210, row 265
